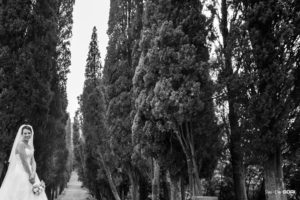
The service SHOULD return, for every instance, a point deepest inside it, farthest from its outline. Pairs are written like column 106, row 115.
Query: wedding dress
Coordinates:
column 16, row 185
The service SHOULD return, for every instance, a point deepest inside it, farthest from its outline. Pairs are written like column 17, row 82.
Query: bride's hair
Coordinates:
column 26, row 127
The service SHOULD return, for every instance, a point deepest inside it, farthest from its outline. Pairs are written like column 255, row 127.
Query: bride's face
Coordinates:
column 26, row 135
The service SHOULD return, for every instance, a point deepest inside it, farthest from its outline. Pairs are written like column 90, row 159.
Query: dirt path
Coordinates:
column 74, row 191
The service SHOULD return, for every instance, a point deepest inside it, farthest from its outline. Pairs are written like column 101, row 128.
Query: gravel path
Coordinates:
column 74, row 191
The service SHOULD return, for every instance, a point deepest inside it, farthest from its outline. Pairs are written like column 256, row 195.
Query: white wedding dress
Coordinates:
column 16, row 185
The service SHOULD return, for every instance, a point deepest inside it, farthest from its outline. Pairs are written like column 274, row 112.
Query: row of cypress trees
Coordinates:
column 192, row 103
column 34, row 62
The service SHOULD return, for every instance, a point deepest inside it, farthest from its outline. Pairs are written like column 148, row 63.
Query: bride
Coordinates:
column 21, row 173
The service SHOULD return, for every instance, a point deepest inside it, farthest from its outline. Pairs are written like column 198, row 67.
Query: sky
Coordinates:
column 86, row 15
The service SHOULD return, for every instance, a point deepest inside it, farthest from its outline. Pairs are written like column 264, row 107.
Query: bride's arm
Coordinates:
column 21, row 152
column 33, row 164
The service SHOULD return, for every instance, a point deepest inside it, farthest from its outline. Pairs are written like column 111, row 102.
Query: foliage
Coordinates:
column 91, row 121
column 33, row 79
column 264, row 78
column 173, row 86
column 125, row 23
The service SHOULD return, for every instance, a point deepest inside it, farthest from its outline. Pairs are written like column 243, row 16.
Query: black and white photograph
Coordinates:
column 149, row 100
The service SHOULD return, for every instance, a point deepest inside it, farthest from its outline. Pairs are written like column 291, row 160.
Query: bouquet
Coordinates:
column 38, row 188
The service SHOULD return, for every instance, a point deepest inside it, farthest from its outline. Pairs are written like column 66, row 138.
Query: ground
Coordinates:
column 74, row 191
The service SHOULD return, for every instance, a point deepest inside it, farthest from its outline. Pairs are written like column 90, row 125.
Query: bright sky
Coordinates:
column 86, row 15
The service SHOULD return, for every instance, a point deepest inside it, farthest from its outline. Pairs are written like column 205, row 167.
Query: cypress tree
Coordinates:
column 93, row 66
column 33, row 92
column 173, row 85
column 122, row 57
column 92, row 107
column 274, row 85
column 232, row 84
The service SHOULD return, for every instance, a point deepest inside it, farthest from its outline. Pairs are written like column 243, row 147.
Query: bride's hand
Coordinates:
column 32, row 178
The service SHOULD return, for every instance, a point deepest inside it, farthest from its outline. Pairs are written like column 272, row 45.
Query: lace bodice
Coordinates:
column 28, row 154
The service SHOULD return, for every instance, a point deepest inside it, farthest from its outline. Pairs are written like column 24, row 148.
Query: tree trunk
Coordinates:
column 3, row 169
column 155, row 180
column 143, row 188
column 61, row 188
column 237, row 158
column 135, row 191
column 197, row 181
column 175, row 193
column 48, row 191
column 190, row 174
column 274, row 177
column 110, row 179
column 55, row 192
column 261, row 194
column 52, row 193
column 82, row 160
column 186, row 140
column 194, row 181
column 134, row 186
column 182, row 189
column 165, row 185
